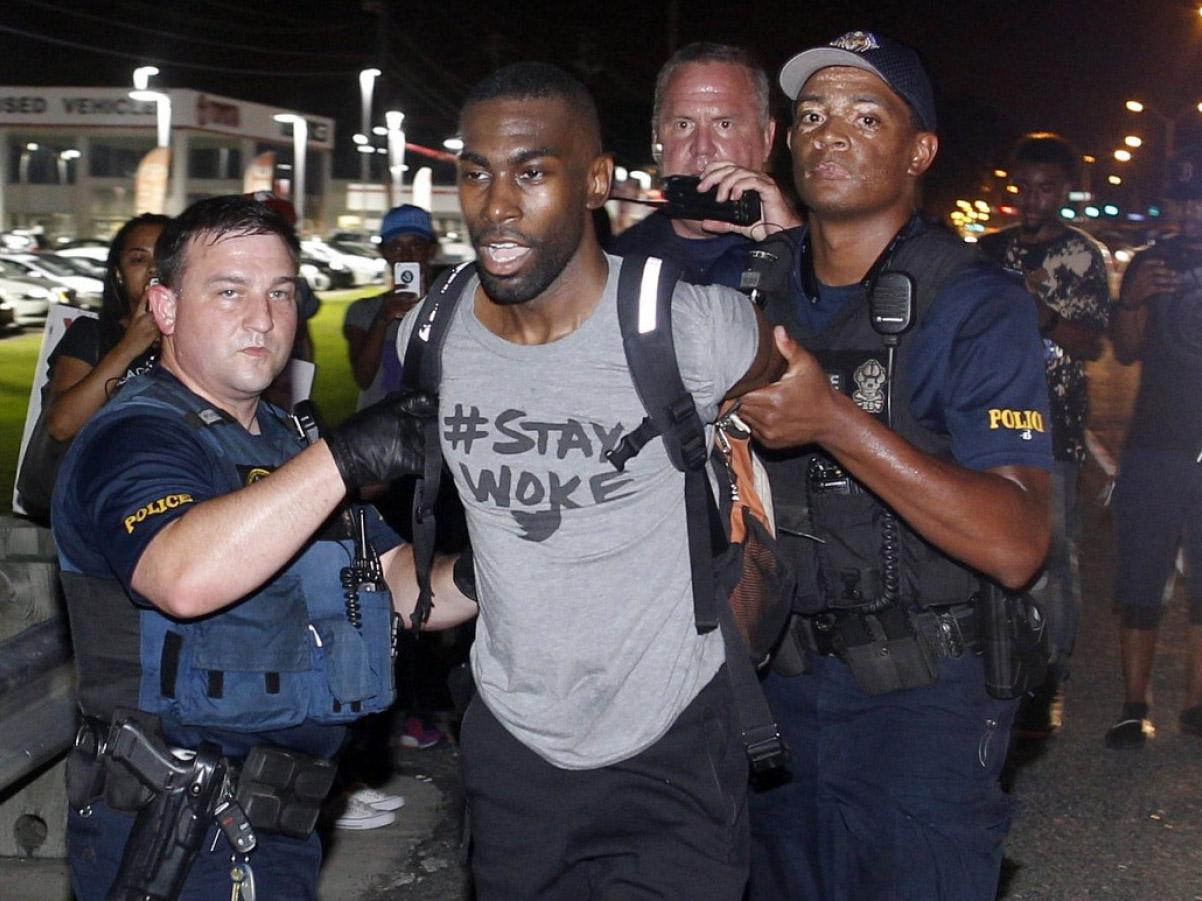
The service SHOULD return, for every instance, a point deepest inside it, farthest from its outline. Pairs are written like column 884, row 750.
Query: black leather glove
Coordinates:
column 384, row 441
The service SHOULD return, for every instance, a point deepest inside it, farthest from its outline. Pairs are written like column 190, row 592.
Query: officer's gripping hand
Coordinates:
column 384, row 441
column 798, row 408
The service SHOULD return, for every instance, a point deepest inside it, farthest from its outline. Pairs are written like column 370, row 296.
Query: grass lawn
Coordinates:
column 334, row 390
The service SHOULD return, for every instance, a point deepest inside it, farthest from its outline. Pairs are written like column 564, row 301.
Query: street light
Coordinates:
column 1133, row 141
column 162, row 111
column 300, row 141
column 396, row 153
column 1123, row 156
column 64, row 158
column 142, row 76
column 1169, row 122
column 23, row 163
column 367, row 80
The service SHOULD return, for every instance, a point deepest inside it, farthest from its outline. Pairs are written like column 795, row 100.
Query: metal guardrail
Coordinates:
column 41, row 647
column 38, row 713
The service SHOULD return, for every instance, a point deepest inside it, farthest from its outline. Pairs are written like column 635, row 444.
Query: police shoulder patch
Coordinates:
column 1024, row 421
column 154, row 508
column 248, row 475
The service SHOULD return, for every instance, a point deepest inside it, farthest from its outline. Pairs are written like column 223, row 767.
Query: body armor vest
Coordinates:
column 835, row 532
column 284, row 655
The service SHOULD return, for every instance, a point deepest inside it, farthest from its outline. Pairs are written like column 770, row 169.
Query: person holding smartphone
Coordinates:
column 407, row 243
column 711, row 115
column 95, row 356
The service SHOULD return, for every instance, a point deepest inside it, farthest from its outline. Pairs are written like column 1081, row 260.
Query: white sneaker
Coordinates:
column 377, row 799
column 358, row 815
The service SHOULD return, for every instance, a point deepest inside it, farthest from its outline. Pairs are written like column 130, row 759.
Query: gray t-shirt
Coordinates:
column 586, row 648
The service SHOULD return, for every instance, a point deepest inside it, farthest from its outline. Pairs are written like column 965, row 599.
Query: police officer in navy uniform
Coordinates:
column 902, row 476
column 222, row 595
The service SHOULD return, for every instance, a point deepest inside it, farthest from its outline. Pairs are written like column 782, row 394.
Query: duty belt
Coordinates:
column 947, row 631
column 278, row 790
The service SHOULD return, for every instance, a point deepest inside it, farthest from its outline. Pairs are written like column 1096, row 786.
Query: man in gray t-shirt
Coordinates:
column 601, row 755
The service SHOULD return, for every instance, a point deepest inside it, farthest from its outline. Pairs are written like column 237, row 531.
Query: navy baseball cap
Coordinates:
column 895, row 64
column 1184, row 181
column 406, row 219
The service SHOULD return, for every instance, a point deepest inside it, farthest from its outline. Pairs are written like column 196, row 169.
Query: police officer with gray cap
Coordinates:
column 909, row 471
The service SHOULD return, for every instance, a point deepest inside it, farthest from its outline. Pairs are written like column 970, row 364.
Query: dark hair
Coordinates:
column 114, row 302
column 216, row 218
column 1050, row 148
column 709, row 52
column 531, row 80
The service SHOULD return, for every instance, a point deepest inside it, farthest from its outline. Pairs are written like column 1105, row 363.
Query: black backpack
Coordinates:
column 745, row 575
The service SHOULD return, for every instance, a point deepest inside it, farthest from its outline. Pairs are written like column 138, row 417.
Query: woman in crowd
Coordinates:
column 96, row 355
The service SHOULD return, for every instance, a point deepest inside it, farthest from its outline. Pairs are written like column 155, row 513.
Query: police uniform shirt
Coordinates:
column 974, row 365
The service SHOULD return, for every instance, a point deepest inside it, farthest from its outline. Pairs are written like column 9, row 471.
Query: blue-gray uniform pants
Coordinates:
column 283, row 867
column 894, row 796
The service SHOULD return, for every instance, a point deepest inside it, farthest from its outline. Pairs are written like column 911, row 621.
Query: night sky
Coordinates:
column 999, row 68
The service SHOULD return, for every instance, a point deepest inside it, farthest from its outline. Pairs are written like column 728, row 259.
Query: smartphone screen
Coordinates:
column 408, row 277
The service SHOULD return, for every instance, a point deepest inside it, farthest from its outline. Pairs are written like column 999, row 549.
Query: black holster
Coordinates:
column 1013, row 639
column 169, row 831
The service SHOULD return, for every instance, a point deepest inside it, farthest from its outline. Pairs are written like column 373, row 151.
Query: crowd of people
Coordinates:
column 919, row 405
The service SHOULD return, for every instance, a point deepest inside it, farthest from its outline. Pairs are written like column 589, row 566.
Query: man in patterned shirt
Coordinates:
column 1065, row 271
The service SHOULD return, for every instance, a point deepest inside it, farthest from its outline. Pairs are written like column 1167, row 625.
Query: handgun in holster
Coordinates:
column 1014, row 641
column 169, row 830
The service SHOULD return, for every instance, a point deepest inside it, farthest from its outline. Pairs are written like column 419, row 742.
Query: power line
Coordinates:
column 224, row 25
column 54, row 7
column 176, row 64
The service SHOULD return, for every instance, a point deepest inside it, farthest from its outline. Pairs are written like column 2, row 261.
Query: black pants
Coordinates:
column 670, row 822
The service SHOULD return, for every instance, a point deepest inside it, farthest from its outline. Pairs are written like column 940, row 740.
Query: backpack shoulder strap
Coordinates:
column 422, row 366
column 422, row 371
column 645, row 289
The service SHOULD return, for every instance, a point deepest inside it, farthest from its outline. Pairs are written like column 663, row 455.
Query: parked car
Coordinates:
column 365, row 270
column 8, row 317
column 357, row 245
column 31, row 300
column 335, row 270
column 83, row 265
column 57, row 272
column 314, row 275
column 96, row 252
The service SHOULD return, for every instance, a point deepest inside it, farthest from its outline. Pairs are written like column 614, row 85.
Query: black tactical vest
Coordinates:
column 831, row 528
